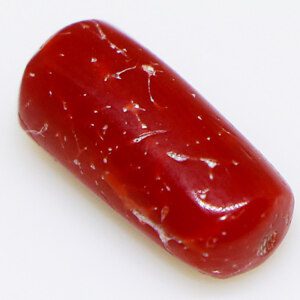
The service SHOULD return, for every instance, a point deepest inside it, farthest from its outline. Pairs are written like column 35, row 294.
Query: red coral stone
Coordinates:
column 145, row 141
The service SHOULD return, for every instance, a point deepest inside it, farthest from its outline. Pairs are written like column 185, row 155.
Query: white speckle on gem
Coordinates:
column 65, row 105
column 31, row 74
column 202, row 193
column 105, row 160
column 135, row 109
column 149, row 69
column 28, row 103
column 76, row 162
column 211, row 163
column 234, row 162
column 93, row 60
column 104, row 129
column 167, row 188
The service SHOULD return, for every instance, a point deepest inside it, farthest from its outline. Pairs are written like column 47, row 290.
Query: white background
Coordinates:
column 57, row 240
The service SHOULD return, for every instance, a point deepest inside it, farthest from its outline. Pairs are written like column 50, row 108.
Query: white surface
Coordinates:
column 58, row 241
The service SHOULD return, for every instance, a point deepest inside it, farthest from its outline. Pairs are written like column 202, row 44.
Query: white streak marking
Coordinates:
column 148, row 134
column 161, row 233
column 101, row 33
column 214, row 208
column 151, row 72
column 178, row 157
column 117, row 75
column 164, row 213
column 112, row 45
column 39, row 132
column 66, row 33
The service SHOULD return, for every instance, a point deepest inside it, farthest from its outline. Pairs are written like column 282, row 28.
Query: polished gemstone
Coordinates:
column 150, row 146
